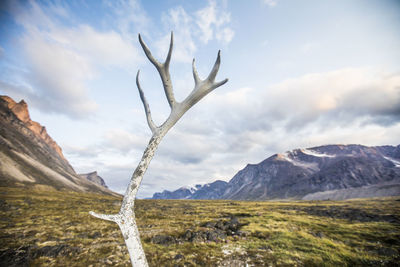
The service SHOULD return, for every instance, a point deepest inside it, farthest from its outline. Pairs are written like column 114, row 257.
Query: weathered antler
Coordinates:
column 126, row 216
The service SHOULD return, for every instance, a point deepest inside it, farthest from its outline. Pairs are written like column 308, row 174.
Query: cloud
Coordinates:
column 234, row 128
column 58, row 77
column 60, row 60
column 123, row 141
column 320, row 99
column 231, row 129
column 212, row 21
column 129, row 17
column 181, row 23
column 207, row 24
column 100, row 48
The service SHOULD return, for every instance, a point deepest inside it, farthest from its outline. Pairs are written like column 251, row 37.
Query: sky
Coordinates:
column 301, row 74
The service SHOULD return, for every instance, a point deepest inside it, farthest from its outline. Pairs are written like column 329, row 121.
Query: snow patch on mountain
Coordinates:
column 395, row 162
column 316, row 153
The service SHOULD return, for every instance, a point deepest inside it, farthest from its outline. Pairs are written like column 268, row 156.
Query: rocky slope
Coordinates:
column 332, row 171
column 94, row 177
column 30, row 157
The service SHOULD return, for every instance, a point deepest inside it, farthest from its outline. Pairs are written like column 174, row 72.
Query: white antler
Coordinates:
column 126, row 216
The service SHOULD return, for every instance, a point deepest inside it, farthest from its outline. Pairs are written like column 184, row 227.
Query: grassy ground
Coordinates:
column 51, row 228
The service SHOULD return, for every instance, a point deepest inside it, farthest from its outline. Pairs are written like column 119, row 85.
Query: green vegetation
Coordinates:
column 53, row 228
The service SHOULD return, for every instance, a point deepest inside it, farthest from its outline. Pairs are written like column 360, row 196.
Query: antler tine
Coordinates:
column 215, row 69
column 171, row 45
column 195, row 74
column 148, row 53
column 163, row 70
column 218, row 84
column 146, row 106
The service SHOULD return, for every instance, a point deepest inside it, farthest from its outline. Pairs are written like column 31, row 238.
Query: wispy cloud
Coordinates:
column 202, row 26
column 213, row 23
column 181, row 23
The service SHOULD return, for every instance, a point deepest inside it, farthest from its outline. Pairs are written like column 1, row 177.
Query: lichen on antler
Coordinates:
column 126, row 216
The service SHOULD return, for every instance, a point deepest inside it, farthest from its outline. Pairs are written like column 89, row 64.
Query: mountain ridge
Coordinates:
column 30, row 157
column 298, row 173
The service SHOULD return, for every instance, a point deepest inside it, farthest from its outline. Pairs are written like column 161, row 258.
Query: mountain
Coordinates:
column 331, row 171
column 30, row 157
column 94, row 177
column 208, row 191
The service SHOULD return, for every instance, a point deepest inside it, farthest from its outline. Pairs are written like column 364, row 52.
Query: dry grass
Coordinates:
column 52, row 228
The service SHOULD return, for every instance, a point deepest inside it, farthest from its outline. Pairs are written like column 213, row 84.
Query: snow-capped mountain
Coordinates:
column 302, row 173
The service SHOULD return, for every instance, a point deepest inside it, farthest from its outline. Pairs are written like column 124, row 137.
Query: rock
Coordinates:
column 318, row 234
column 163, row 240
column 389, row 252
column 19, row 257
column 95, row 178
column 55, row 251
column 95, row 235
column 178, row 257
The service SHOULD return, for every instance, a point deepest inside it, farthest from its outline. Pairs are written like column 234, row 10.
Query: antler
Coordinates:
column 201, row 88
column 126, row 216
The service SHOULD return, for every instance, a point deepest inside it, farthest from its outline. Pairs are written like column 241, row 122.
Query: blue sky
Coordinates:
column 301, row 74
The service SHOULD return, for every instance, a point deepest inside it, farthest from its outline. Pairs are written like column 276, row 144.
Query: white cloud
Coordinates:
column 207, row 24
column 129, row 17
column 184, row 45
column 320, row 99
column 212, row 21
column 225, row 35
column 58, row 75
column 123, row 141
column 100, row 48
column 61, row 60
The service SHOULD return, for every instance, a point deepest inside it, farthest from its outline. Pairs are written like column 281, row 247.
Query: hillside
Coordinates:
column 30, row 157
column 332, row 171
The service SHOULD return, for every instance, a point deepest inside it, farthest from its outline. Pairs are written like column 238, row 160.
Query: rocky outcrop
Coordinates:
column 332, row 171
column 94, row 177
column 30, row 157
column 20, row 110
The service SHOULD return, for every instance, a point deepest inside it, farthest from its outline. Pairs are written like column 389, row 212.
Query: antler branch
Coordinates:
column 203, row 87
column 163, row 69
column 146, row 106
